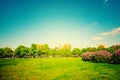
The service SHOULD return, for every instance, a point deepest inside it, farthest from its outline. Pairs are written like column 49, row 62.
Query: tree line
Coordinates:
column 43, row 50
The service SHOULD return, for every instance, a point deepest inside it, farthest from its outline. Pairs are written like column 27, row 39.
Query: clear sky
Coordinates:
column 81, row 23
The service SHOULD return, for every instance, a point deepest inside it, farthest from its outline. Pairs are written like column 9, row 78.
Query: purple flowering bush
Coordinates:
column 87, row 56
column 102, row 56
column 116, row 57
column 97, row 56
column 117, row 52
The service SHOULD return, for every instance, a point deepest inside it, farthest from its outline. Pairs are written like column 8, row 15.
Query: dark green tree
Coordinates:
column 1, row 53
column 6, row 52
column 33, row 50
column 21, row 51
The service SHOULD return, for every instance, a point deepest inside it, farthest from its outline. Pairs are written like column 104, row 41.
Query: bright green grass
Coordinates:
column 57, row 69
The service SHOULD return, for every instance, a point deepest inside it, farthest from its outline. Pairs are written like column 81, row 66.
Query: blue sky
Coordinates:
column 81, row 23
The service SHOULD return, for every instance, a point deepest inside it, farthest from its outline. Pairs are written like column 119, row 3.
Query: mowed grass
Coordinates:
column 56, row 69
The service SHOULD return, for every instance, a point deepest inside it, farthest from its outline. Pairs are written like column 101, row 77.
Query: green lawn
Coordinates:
column 57, row 69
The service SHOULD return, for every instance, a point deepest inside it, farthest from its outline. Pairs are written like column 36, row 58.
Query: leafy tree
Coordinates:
column 6, row 52
column 66, row 50
column 53, row 52
column 93, row 49
column 60, row 52
column 83, row 50
column 42, row 49
column 46, row 49
column 21, row 51
column 67, row 46
column 111, row 49
column 1, row 52
column 76, row 51
column 33, row 50
column 39, row 52
column 101, row 47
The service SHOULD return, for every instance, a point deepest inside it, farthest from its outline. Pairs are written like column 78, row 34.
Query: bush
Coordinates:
column 98, row 56
column 87, row 56
column 116, row 57
column 102, row 56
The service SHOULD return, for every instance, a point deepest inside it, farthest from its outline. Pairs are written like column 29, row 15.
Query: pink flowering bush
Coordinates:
column 102, row 56
column 117, row 52
column 97, row 56
column 116, row 57
column 87, row 56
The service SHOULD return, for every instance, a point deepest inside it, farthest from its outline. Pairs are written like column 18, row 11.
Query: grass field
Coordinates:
column 57, row 69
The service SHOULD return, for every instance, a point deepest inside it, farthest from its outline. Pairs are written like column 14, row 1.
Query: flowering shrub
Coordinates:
column 117, row 52
column 102, row 56
column 98, row 56
column 116, row 57
column 87, row 56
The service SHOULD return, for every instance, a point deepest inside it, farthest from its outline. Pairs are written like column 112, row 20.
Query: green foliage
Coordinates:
column 53, row 52
column 76, row 51
column 45, row 49
column 101, row 47
column 1, row 53
column 6, row 52
column 113, row 48
column 88, row 49
column 21, row 51
column 33, row 50
column 42, row 49
column 66, row 46
column 67, row 52
column 83, row 50
column 39, row 52
column 60, row 52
